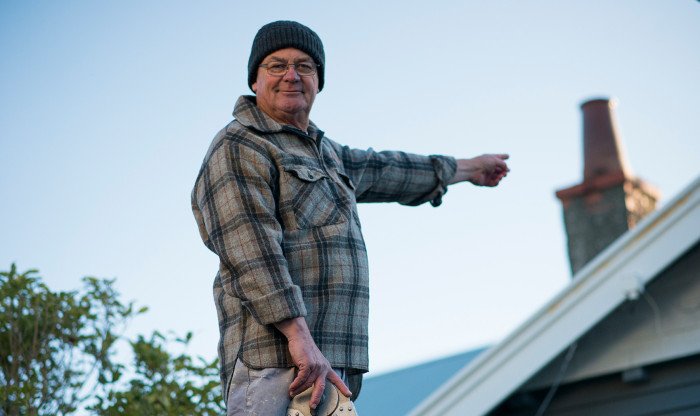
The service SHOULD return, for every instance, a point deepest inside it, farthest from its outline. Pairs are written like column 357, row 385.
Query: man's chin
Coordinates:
column 293, row 106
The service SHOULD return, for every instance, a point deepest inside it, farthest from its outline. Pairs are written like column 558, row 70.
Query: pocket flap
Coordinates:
column 345, row 178
column 304, row 173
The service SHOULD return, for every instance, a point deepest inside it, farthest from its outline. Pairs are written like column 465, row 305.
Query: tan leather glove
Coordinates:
column 333, row 403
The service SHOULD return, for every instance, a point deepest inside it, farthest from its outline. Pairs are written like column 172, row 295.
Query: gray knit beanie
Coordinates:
column 285, row 34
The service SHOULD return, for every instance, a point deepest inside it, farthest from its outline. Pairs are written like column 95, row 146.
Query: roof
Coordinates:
column 617, row 274
column 397, row 392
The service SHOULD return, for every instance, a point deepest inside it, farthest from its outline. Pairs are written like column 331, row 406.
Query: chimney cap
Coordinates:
column 612, row 101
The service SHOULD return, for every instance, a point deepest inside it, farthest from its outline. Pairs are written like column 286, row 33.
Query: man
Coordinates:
column 276, row 201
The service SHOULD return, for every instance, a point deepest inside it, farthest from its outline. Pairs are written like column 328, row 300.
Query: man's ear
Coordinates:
column 255, row 87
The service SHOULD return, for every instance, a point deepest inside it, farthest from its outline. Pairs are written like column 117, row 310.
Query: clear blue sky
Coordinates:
column 107, row 108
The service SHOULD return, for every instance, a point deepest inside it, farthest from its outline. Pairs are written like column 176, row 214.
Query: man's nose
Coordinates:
column 291, row 74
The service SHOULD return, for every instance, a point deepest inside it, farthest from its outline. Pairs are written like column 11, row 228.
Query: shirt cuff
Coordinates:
column 445, row 169
column 277, row 306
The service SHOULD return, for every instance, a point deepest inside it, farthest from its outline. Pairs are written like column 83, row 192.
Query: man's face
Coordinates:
column 287, row 98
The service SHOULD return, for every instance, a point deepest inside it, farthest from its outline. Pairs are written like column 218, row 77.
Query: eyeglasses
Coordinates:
column 305, row 69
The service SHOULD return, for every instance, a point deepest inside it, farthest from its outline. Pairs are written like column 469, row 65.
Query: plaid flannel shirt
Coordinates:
column 278, row 206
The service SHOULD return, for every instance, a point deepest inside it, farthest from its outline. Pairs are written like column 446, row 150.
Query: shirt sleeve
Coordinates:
column 234, row 204
column 392, row 176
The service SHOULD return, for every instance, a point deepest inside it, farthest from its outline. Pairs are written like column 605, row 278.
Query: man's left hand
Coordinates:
column 484, row 170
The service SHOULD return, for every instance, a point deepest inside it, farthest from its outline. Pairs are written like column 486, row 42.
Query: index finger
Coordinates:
column 501, row 161
column 334, row 378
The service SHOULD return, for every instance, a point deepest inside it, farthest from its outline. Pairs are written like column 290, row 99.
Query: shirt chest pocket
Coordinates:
column 311, row 198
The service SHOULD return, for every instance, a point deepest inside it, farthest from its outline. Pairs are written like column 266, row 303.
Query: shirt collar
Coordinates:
column 248, row 114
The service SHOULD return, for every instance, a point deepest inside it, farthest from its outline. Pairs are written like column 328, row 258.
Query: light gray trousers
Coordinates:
column 261, row 392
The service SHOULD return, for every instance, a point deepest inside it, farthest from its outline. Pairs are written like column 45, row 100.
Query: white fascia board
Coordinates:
column 615, row 275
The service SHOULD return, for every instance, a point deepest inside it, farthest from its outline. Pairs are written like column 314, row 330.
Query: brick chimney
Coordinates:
column 610, row 200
